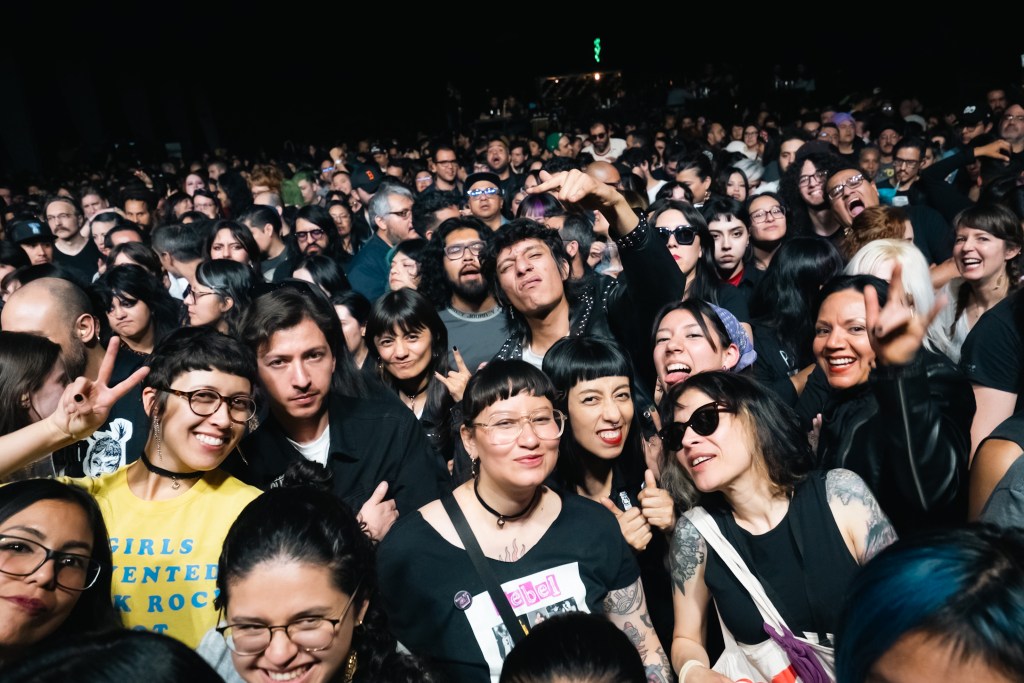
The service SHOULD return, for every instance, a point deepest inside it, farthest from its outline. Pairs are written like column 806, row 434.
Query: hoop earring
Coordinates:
column 351, row 664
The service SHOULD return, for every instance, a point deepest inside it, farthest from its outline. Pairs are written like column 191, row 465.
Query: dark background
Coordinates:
column 76, row 84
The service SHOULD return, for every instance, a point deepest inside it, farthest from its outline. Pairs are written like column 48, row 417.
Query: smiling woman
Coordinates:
column 55, row 567
column 168, row 512
column 734, row 448
column 549, row 553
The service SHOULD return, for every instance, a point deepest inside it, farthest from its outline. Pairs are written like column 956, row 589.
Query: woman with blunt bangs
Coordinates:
column 736, row 451
column 946, row 605
column 549, row 553
column 410, row 347
column 602, row 456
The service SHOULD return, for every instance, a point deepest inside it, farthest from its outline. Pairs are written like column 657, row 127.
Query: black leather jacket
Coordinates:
column 906, row 432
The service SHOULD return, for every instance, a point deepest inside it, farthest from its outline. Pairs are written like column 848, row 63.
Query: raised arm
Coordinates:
column 83, row 408
column 627, row 609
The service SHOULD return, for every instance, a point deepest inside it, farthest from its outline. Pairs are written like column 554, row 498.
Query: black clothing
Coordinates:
column 907, row 433
column 992, row 355
column 932, row 233
column 622, row 309
column 83, row 266
column 368, row 269
column 803, row 565
column 1005, row 506
column 437, row 604
column 120, row 441
column 373, row 439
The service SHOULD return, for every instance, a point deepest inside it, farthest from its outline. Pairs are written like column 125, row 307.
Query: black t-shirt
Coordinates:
column 437, row 604
column 932, row 234
column 84, row 265
column 991, row 356
column 121, row 439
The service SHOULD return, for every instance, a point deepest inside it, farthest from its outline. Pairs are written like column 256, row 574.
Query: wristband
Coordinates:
column 687, row 666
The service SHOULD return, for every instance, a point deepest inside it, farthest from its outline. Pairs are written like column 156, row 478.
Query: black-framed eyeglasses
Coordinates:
column 481, row 192
column 684, row 234
column 805, row 180
column 196, row 296
column 23, row 557
column 403, row 214
column 761, row 216
column 455, row 251
column 910, row 163
column 309, row 235
column 206, row 402
column 502, row 430
column 446, row 162
column 703, row 421
column 840, row 189
column 312, row 634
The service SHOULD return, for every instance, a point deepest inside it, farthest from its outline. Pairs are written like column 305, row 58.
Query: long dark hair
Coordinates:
column 582, row 359
column 705, row 278
column 326, row 273
column 94, row 612
column 229, row 279
column 25, row 362
column 777, row 434
column 240, row 233
column 406, row 311
column 309, row 525
column 135, row 282
column 782, row 301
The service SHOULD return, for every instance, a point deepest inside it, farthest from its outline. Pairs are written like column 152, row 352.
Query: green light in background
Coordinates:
column 597, row 50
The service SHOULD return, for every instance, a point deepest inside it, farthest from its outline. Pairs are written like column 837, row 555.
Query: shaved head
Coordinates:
column 58, row 310
column 603, row 172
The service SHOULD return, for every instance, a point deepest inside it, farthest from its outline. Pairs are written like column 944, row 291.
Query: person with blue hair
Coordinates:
column 944, row 605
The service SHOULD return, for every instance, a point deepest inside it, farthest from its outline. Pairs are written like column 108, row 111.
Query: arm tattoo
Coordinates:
column 514, row 552
column 635, row 637
column 624, row 600
column 847, row 488
column 688, row 551
column 658, row 673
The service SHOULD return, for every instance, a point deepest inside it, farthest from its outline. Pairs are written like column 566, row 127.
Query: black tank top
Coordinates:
column 803, row 564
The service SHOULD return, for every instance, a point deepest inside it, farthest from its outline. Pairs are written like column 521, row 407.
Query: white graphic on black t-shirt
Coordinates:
column 533, row 598
column 106, row 451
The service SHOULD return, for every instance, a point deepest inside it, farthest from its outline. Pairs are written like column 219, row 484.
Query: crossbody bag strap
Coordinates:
column 516, row 629
column 708, row 528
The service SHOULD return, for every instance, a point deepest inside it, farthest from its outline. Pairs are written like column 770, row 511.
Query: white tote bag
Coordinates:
column 784, row 657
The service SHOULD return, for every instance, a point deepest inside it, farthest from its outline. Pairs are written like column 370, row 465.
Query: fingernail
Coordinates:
column 79, row 398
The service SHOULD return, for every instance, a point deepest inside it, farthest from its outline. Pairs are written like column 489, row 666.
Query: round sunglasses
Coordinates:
column 703, row 421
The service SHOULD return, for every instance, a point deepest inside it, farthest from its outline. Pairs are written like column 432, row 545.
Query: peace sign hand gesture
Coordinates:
column 85, row 405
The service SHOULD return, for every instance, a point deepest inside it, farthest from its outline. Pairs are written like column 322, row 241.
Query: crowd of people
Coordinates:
column 401, row 413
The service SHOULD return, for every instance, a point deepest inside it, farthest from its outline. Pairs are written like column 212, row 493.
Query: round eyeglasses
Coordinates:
column 312, row 634
column 502, row 430
column 206, row 402
column 23, row 557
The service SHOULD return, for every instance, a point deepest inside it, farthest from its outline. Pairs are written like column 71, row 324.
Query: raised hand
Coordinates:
column 85, row 405
column 457, row 379
column 897, row 330
column 656, row 504
column 632, row 524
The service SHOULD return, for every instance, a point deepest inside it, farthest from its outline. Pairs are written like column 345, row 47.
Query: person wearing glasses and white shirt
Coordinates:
column 390, row 214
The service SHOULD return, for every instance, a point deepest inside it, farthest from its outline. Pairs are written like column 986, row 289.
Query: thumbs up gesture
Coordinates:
column 658, row 508
column 632, row 524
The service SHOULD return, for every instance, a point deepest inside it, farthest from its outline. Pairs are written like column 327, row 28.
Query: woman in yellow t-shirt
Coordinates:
column 168, row 512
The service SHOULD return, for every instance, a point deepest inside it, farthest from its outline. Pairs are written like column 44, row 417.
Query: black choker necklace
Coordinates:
column 175, row 476
column 504, row 518
column 411, row 398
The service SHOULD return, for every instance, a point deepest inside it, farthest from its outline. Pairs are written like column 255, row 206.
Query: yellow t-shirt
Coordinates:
column 166, row 551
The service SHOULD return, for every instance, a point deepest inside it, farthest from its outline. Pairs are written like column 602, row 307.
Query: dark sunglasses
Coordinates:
column 703, row 421
column 684, row 234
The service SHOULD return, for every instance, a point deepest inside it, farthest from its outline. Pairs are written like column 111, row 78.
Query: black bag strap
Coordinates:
column 516, row 629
